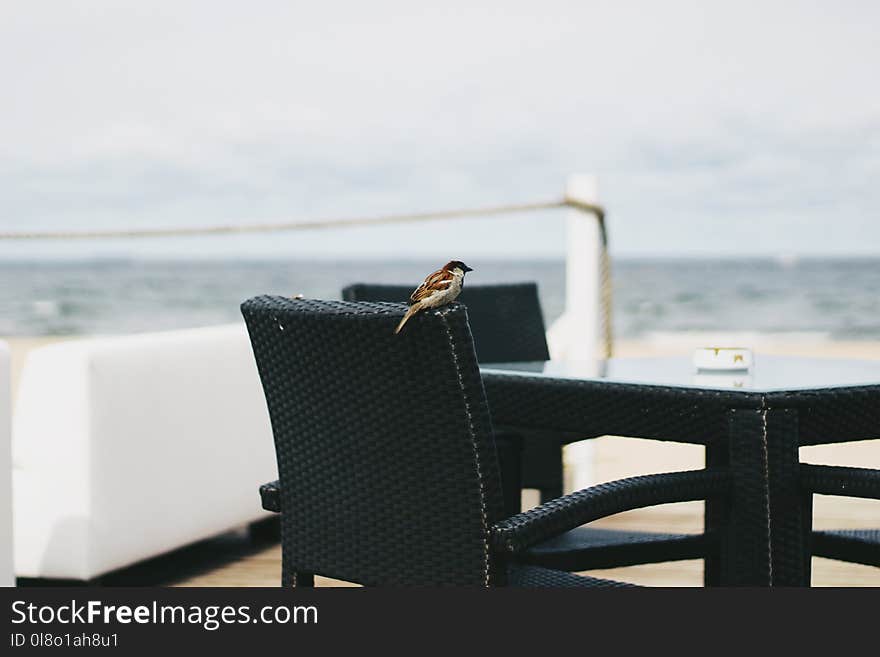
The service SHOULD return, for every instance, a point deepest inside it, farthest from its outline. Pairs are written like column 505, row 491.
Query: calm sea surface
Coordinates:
column 839, row 299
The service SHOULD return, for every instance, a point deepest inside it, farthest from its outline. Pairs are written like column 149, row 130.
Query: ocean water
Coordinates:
column 837, row 299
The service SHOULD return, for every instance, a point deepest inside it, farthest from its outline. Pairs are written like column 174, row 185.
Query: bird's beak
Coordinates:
column 466, row 269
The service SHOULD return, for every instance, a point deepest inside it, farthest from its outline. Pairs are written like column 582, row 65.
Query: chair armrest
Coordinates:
column 270, row 494
column 520, row 532
column 842, row 481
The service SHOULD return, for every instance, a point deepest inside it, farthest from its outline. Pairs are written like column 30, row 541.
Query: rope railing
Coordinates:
column 314, row 224
column 324, row 224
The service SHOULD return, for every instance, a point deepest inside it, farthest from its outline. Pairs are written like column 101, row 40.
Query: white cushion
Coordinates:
column 128, row 447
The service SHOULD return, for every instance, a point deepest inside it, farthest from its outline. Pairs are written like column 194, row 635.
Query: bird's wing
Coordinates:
column 436, row 282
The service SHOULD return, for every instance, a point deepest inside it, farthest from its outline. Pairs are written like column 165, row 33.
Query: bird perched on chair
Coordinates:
column 438, row 289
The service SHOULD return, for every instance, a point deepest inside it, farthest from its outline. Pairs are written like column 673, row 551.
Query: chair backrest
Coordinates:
column 506, row 320
column 389, row 474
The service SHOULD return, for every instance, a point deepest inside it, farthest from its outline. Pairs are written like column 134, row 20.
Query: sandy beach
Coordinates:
column 616, row 457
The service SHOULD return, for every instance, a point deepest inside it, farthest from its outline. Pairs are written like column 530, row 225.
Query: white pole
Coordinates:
column 575, row 335
column 7, row 578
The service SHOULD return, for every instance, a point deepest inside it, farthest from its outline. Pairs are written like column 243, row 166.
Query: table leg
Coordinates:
column 790, row 510
column 716, row 514
column 807, row 517
column 542, row 464
column 764, row 542
column 745, row 546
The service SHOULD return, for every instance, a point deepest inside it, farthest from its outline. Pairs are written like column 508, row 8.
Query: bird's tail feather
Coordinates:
column 409, row 313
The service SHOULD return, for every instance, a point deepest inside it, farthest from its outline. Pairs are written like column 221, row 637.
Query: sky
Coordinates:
column 715, row 129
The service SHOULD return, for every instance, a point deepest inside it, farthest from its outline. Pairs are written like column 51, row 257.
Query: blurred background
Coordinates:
column 736, row 146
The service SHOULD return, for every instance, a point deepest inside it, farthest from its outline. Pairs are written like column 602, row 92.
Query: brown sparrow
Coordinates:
column 438, row 289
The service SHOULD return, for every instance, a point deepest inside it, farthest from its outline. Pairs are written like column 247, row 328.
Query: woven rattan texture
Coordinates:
column 385, row 455
column 839, row 480
column 552, row 518
column 506, row 320
column 834, row 414
column 508, row 326
column 789, row 519
column 608, row 548
column 746, row 544
column 270, row 496
column 854, row 545
column 596, row 408
column 535, row 577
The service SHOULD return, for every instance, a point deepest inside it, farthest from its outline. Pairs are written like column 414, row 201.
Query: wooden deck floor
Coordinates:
column 620, row 457
column 262, row 569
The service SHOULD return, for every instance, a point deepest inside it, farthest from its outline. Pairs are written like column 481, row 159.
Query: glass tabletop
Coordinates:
column 767, row 374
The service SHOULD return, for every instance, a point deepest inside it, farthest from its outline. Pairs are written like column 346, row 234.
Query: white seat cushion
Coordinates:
column 128, row 447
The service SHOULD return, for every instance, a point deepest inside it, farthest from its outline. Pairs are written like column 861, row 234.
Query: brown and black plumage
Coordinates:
column 439, row 288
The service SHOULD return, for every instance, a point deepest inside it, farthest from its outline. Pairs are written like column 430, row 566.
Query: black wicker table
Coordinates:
column 753, row 423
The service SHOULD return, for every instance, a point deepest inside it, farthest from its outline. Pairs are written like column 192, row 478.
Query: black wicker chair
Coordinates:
column 388, row 471
column 853, row 545
column 508, row 327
